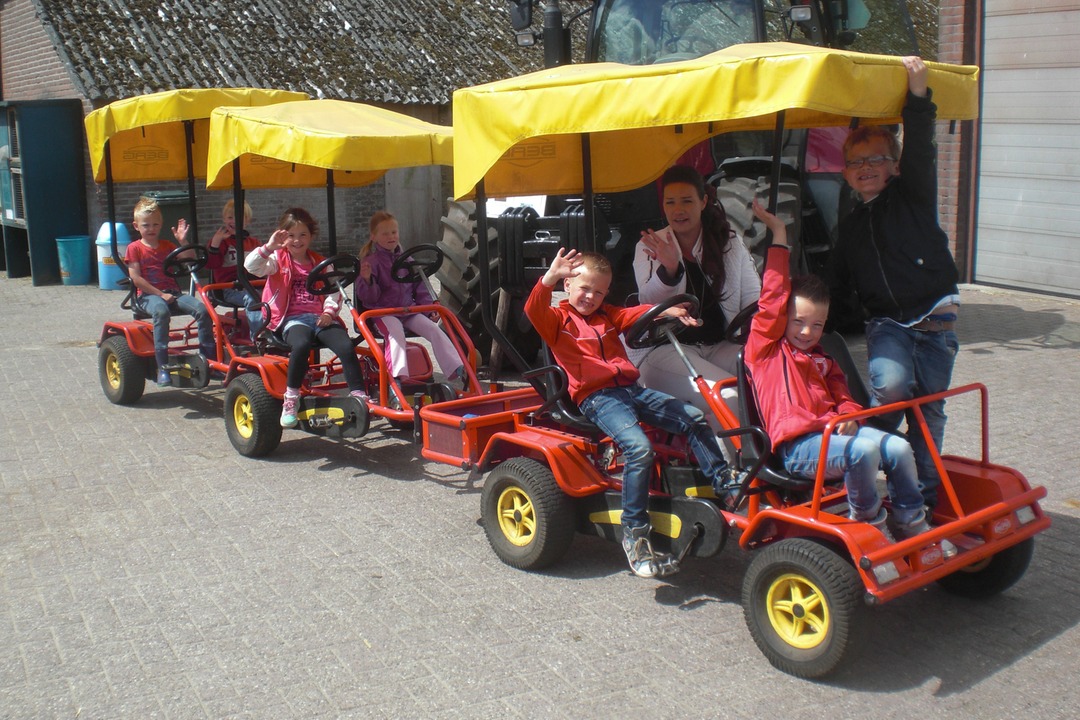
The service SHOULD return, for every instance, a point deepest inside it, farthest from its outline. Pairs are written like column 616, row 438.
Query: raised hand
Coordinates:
column 918, row 74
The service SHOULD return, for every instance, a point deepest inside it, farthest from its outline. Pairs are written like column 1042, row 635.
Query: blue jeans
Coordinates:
column 617, row 411
column 906, row 364
column 857, row 458
column 161, row 313
column 252, row 308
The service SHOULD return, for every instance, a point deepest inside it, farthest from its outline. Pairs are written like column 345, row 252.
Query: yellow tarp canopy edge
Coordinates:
column 146, row 133
column 293, row 144
column 523, row 135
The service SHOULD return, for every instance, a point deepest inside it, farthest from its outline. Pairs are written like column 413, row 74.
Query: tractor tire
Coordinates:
column 803, row 604
column 122, row 373
column 993, row 575
column 252, row 416
column 459, row 276
column 528, row 519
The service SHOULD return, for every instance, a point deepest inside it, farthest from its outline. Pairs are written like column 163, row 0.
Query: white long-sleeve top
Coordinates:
column 742, row 285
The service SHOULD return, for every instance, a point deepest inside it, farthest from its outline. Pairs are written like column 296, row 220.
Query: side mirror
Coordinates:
column 520, row 14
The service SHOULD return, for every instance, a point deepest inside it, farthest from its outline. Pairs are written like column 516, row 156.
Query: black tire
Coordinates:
column 803, row 604
column 252, row 416
column 529, row 520
column 459, row 276
column 993, row 575
column 122, row 373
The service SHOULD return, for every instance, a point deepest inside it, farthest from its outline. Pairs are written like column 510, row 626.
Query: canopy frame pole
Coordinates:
column 587, row 184
column 486, row 291
column 189, row 136
column 774, row 180
column 238, row 210
column 331, row 212
column 110, row 208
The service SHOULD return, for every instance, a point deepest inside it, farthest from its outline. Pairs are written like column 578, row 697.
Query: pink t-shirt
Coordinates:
column 302, row 301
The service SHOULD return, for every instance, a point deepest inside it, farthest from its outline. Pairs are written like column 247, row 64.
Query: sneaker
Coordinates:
column 920, row 526
column 639, row 552
column 458, row 379
column 881, row 524
column 360, row 395
column 163, row 378
column 727, row 485
column 288, row 410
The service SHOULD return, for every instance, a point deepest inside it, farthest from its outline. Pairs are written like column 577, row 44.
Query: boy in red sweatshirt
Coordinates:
column 799, row 389
column 583, row 334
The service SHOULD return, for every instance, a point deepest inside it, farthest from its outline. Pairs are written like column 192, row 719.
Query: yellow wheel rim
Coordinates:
column 798, row 611
column 517, row 518
column 243, row 416
column 112, row 371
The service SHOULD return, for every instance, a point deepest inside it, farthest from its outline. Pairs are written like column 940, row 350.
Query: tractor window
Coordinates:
column 643, row 32
column 882, row 27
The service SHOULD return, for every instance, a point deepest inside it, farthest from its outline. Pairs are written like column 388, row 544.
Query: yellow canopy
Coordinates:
column 522, row 135
column 293, row 144
column 146, row 133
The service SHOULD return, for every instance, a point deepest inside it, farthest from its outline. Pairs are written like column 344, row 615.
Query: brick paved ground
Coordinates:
column 147, row 570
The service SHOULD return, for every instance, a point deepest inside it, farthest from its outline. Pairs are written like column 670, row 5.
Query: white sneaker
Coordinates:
column 639, row 551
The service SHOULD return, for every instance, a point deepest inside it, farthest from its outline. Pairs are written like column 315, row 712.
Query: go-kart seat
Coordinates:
column 416, row 355
column 128, row 303
column 771, row 472
column 558, row 405
column 836, row 347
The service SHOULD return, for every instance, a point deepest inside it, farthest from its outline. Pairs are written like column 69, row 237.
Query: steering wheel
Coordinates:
column 174, row 266
column 646, row 333
column 323, row 280
column 738, row 330
column 418, row 259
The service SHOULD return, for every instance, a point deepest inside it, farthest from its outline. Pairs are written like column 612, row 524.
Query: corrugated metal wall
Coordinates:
column 1028, row 232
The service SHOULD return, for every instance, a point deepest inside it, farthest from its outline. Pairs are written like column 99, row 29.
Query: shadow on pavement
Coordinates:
column 926, row 635
column 1015, row 328
column 932, row 634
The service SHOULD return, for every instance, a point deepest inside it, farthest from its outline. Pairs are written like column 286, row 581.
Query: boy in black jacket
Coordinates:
column 894, row 255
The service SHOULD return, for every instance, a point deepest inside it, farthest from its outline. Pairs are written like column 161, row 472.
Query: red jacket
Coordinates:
column 797, row 392
column 587, row 348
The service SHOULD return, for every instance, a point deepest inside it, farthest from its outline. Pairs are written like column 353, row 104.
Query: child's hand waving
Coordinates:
column 564, row 265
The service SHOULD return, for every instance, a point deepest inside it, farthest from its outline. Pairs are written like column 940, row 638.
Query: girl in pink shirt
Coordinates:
column 299, row 317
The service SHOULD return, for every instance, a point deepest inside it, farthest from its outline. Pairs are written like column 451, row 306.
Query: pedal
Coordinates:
column 665, row 564
column 334, row 417
column 191, row 372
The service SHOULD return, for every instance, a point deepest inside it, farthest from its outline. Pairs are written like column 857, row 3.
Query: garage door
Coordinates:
column 1029, row 182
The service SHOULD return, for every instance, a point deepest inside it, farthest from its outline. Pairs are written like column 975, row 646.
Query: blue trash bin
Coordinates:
column 109, row 273
column 75, row 253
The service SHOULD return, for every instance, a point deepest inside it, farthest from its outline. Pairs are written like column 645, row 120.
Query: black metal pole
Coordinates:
column 587, row 195
column 110, row 209
column 486, row 290
column 331, row 211
column 238, row 209
column 193, row 223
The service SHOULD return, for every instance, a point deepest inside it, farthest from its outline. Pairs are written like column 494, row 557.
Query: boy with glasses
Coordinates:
column 894, row 256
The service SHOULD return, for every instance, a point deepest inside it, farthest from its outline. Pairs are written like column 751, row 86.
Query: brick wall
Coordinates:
column 29, row 63
column 955, row 38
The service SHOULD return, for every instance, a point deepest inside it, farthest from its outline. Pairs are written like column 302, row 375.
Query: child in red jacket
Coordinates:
column 583, row 334
column 799, row 389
